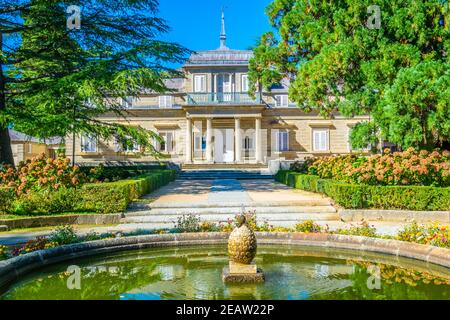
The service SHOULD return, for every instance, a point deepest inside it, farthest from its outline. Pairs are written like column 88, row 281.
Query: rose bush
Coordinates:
column 411, row 167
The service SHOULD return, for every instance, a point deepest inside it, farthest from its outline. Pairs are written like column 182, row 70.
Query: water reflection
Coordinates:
column 296, row 273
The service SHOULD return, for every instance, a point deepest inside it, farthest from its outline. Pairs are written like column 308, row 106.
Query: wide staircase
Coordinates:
column 218, row 195
column 275, row 213
column 221, row 174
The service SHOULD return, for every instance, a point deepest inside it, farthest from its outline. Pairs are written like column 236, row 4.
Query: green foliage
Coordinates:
column 40, row 243
column 46, row 202
column 302, row 166
column 432, row 234
column 188, row 223
column 5, row 252
column 397, row 74
column 112, row 197
column 308, row 226
column 363, row 229
column 63, row 235
column 357, row 196
column 41, row 173
column 6, row 198
column 364, row 136
column 410, row 167
column 114, row 173
column 67, row 78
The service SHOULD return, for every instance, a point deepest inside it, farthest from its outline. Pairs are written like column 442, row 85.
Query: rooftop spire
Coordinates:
column 223, row 35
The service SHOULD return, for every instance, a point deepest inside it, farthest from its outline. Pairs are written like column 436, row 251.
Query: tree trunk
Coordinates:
column 6, row 155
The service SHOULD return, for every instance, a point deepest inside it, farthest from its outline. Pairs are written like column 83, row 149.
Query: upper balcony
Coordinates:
column 223, row 98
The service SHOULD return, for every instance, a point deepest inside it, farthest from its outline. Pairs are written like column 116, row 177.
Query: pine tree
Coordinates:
column 56, row 80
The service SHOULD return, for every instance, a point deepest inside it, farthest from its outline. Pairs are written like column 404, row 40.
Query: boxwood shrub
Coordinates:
column 354, row 196
column 6, row 199
column 112, row 197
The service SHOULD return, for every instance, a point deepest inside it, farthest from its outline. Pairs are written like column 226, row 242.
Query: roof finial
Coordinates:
column 223, row 35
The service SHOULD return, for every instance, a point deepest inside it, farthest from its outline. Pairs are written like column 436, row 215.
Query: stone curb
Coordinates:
column 80, row 219
column 395, row 215
column 12, row 269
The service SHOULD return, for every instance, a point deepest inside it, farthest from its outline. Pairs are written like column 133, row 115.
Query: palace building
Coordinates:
column 209, row 119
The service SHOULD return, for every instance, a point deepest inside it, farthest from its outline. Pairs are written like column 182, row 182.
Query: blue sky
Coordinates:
column 195, row 24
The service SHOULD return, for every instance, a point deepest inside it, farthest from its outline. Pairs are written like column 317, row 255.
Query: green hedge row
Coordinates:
column 112, row 197
column 352, row 196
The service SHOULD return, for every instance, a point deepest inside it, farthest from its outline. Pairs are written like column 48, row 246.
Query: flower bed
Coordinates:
column 434, row 235
column 359, row 196
column 109, row 197
column 411, row 167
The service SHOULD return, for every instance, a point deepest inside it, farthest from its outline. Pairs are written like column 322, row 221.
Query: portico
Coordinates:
column 224, row 134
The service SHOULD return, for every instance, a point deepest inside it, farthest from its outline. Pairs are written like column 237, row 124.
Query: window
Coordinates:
column 244, row 83
column 125, row 147
column 167, row 143
column 199, row 142
column 199, row 83
column 248, row 143
column 88, row 143
column 30, row 148
column 320, row 139
column 282, row 140
column 282, row 101
column 165, row 101
column 127, row 103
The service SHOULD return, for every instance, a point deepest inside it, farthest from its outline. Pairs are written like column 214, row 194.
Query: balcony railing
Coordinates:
column 222, row 98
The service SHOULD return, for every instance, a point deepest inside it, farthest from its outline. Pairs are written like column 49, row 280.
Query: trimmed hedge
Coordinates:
column 112, row 197
column 351, row 196
column 6, row 198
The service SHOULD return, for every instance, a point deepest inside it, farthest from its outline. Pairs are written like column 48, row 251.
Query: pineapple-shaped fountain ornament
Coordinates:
column 242, row 250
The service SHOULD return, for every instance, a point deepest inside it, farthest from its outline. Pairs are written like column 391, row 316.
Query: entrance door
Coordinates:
column 224, row 145
column 224, row 88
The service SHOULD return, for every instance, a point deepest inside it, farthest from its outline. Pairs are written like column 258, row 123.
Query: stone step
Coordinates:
column 225, row 177
column 270, row 204
column 262, row 217
column 223, row 166
column 234, row 210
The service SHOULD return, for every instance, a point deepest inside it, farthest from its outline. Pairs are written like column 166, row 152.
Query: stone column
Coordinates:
column 188, row 140
column 237, row 140
column 258, row 141
column 215, row 88
column 209, row 134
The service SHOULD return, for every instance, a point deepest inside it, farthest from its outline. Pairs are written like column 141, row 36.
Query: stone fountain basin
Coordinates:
column 13, row 269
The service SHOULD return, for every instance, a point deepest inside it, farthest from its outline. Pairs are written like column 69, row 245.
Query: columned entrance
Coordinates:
column 224, row 141
column 224, row 134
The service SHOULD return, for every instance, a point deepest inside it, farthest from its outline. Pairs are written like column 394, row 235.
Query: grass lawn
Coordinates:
column 50, row 228
column 14, row 217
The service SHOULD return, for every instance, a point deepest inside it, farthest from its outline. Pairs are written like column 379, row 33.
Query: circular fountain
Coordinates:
column 190, row 266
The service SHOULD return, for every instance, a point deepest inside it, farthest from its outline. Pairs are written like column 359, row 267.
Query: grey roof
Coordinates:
column 220, row 57
column 16, row 136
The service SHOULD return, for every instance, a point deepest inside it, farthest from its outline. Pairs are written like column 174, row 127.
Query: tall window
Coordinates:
column 244, row 83
column 248, row 143
column 282, row 140
column 127, row 103
column 88, row 143
column 199, row 83
column 320, row 139
column 199, row 142
column 282, row 101
column 165, row 102
column 167, row 143
column 127, row 147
